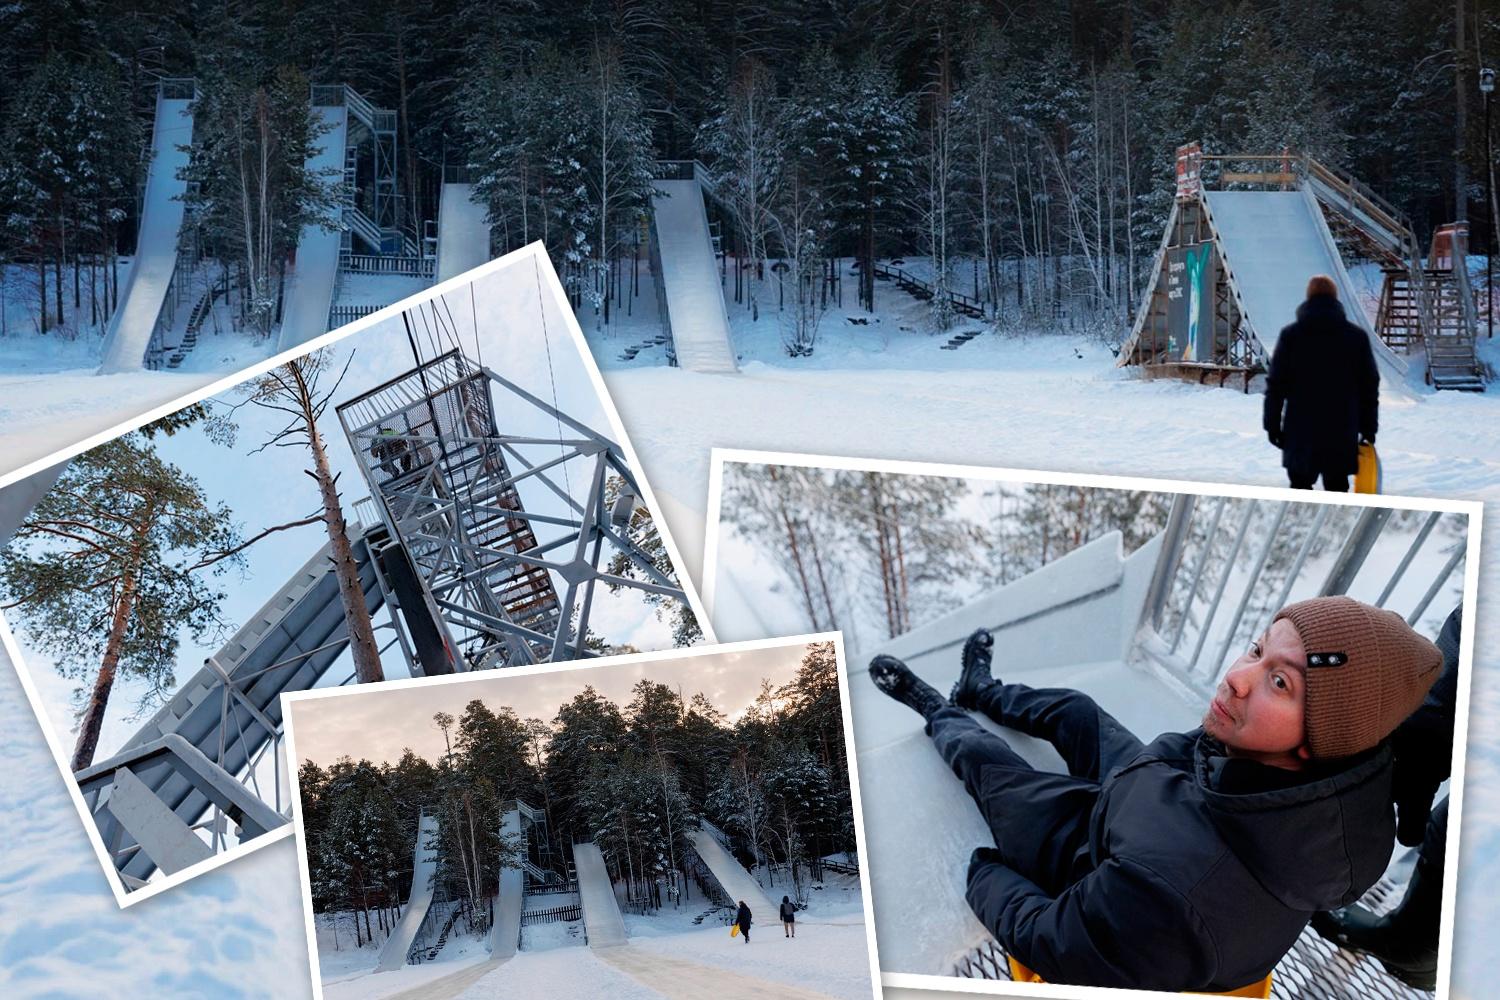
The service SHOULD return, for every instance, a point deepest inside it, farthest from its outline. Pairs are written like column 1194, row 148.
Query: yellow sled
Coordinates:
column 1021, row 974
column 734, row 930
column 1367, row 479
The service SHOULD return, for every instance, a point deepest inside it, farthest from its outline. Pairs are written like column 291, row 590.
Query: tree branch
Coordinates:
column 213, row 557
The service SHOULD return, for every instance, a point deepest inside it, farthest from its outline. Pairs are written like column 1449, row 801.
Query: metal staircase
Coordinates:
column 1426, row 303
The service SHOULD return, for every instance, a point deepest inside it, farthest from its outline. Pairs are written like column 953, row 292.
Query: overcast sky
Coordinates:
column 377, row 723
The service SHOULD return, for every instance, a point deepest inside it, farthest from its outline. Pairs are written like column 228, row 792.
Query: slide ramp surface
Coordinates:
column 308, row 297
column 1273, row 241
column 690, row 279
column 505, row 933
column 733, row 877
column 463, row 233
column 145, row 291
column 1072, row 623
column 424, row 866
column 602, row 921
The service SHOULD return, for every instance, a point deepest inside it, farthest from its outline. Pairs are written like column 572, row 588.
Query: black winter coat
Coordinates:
column 1322, row 390
column 1201, row 879
column 743, row 918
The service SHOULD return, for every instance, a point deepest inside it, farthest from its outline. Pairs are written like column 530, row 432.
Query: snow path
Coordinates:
column 679, row 979
column 832, row 960
column 450, row 985
column 558, row 973
column 41, row 413
column 151, row 269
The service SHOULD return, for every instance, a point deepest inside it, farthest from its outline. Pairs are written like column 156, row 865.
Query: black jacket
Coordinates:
column 1423, row 744
column 788, row 912
column 1322, row 390
column 1205, row 870
column 743, row 916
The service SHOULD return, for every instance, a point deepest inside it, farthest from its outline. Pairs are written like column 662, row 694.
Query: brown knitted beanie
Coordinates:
column 1366, row 672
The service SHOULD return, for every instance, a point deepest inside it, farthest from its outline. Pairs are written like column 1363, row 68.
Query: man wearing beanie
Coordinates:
column 1322, row 392
column 1194, row 862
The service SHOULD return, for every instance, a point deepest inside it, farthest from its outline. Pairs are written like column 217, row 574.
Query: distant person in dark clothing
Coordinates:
column 743, row 919
column 788, row 917
column 1405, row 940
column 1192, row 863
column 1322, row 392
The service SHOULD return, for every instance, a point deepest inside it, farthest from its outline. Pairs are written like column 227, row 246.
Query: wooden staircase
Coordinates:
column 1438, row 317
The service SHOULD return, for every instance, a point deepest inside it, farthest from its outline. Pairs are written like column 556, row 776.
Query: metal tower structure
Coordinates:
column 496, row 584
column 370, row 195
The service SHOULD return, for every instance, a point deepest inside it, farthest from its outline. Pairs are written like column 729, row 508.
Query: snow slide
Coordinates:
column 505, row 933
column 690, row 279
column 735, row 880
column 1068, row 624
column 463, row 233
column 1272, row 242
column 424, row 866
column 602, row 921
column 145, row 292
column 308, row 297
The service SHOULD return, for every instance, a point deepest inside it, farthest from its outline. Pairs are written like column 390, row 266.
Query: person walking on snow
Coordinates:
column 1322, row 392
column 743, row 919
column 1192, row 863
column 788, row 917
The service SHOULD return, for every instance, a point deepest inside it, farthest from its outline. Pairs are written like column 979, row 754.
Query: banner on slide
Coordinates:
column 1191, row 277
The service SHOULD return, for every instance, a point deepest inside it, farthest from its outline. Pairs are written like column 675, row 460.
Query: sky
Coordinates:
column 377, row 723
column 512, row 320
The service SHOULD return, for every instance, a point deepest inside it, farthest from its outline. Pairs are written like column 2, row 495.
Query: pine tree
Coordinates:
column 108, row 570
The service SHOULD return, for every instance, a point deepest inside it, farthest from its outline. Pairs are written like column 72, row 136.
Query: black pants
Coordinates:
column 1039, row 819
column 1333, row 482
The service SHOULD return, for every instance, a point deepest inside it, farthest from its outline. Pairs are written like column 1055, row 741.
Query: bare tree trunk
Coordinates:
column 356, row 612
column 104, row 681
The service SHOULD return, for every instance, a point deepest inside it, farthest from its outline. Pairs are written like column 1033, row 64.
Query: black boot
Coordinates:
column 1404, row 940
column 896, row 679
column 975, row 676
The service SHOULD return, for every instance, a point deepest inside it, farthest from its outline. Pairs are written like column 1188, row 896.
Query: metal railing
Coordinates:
column 1223, row 573
column 573, row 911
column 416, row 266
column 177, row 88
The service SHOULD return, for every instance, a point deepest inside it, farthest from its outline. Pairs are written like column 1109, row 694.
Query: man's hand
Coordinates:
column 1368, row 439
column 984, row 856
column 1276, row 438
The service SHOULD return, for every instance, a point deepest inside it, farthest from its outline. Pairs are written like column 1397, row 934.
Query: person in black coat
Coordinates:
column 1192, row 863
column 1322, row 392
column 743, row 919
column 1405, row 939
column 788, row 917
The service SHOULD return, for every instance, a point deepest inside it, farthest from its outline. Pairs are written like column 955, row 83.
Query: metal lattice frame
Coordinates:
column 1313, row 970
column 446, row 482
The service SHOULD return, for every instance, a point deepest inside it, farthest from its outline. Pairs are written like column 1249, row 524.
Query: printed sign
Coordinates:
column 1189, row 163
column 1190, row 305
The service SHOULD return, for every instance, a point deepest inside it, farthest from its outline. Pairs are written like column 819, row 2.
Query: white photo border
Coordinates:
column 1473, row 509
column 288, row 701
column 534, row 252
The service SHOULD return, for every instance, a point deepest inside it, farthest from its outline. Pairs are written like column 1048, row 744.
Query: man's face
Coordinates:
column 1258, row 709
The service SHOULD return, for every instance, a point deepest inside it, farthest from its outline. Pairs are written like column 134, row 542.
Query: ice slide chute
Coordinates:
column 231, row 708
column 463, row 232
column 731, row 875
column 692, row 295
column 424, row 867
column 1272, row 242
column 128, row 335
column 602, row 922
column 505, row 932
column 308, row 298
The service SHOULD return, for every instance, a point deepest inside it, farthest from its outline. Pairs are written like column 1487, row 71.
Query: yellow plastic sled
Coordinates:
column 734, row 930
column 1367, row 479
column 1021, row 974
